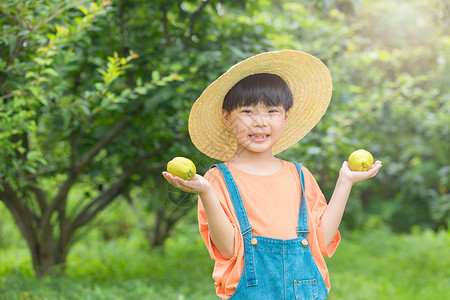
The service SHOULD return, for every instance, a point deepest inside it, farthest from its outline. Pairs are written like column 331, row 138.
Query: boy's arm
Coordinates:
column 333, row 214
column 220, row 228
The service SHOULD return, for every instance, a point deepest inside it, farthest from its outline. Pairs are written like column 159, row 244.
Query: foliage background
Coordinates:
column 75, row 72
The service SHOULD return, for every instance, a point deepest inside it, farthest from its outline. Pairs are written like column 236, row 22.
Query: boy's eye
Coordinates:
column 275, row 110
column 246, row 111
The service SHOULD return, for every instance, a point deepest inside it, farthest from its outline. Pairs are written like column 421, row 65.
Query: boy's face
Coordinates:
column 257, row 127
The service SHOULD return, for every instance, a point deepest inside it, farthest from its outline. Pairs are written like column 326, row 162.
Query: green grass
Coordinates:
column 374, row 265
column 384, row 266
column 118, row 269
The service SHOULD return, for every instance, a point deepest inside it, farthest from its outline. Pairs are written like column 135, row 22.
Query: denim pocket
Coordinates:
column 306, row 289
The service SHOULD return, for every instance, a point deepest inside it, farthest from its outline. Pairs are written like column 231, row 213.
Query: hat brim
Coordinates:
column 310, row 84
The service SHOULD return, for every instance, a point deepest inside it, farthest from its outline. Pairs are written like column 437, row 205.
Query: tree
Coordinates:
column 94, row 99
column 40, row 97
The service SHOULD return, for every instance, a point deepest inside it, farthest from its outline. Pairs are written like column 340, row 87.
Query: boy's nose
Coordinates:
column 260, row 120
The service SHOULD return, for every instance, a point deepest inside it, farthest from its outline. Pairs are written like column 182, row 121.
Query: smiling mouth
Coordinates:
column 259, row 136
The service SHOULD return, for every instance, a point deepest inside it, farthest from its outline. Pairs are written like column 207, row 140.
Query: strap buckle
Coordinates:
column 250, row 229
column 302, row 229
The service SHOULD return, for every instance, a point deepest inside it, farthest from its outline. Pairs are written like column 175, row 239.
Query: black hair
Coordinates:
column 270, row 89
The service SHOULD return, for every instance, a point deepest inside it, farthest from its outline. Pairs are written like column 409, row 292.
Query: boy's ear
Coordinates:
column 287, row 114
column 226, row 118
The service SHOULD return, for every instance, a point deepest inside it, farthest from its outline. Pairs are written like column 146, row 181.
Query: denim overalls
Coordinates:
column 275, row 269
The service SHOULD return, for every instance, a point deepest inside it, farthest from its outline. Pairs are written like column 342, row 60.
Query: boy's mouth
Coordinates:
column 259, row 137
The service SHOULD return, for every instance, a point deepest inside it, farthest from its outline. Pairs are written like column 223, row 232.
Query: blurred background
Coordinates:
column 94, row 101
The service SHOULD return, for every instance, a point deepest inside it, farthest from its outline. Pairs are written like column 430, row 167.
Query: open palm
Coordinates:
column 358, row 176
column 197, row 185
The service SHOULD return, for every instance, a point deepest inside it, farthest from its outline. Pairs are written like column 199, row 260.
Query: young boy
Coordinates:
column 265, row 221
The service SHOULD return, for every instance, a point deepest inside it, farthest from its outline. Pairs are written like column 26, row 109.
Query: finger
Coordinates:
column 169, row 177
column 377, row 163
column 345, row 165
column 374, row 169
column 173, row 180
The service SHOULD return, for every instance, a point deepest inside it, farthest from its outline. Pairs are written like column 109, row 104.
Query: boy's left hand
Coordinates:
column 357, row 176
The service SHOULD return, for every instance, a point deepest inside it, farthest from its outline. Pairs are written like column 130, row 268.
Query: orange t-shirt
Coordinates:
column 272, row 203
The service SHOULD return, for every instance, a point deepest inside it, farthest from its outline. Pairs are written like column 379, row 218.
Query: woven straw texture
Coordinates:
column 310, row 84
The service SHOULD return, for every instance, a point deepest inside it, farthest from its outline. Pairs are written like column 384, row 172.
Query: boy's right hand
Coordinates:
column 197, row 185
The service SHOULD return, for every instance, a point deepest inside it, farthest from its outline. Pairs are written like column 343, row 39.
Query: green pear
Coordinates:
column 360, row 160
column 182, row 167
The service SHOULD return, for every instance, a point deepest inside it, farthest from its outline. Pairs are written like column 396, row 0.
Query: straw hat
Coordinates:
column 310, row 84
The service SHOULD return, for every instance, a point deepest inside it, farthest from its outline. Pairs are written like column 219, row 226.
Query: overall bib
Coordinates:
column 275, row 269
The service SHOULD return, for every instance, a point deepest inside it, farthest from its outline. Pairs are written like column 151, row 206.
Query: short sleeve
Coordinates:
column 215, row 178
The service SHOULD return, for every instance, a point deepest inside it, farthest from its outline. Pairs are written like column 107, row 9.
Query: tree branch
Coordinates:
column 141, row 222
column 10, row 17
column 194, row 19
column 108, row 195
column 124, row 39
column 100, row 145
column 22, row 216
column 73, row 147
column 165, row 25
column 74, row 170
column 101, row 201
column 123, row 32
column 56, row 202
column 40, row 197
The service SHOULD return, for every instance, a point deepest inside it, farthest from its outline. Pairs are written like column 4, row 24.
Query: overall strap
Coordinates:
column 246, row 228
column 302, row 228
column 235, row 198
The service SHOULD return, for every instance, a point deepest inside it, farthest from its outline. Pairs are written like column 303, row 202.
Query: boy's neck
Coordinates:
column 258, row 165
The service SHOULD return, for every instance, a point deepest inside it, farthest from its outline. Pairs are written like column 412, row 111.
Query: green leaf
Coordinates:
column 32, row 155
column 83, row 9
column 141, row 90
column 85, row 109
column 155, row 76
column 12, row 41
column 23, row 32
column 50, row 71
column 105, row 102
column 78, row 20
column 30, row 169
column 67, row 117
column 103, row 72
column 125, row 92
column 43, row 61
column 43, row 100
column 31, row 74
column 99, row 86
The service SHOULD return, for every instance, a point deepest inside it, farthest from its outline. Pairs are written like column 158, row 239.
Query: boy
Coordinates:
column 265, row 221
